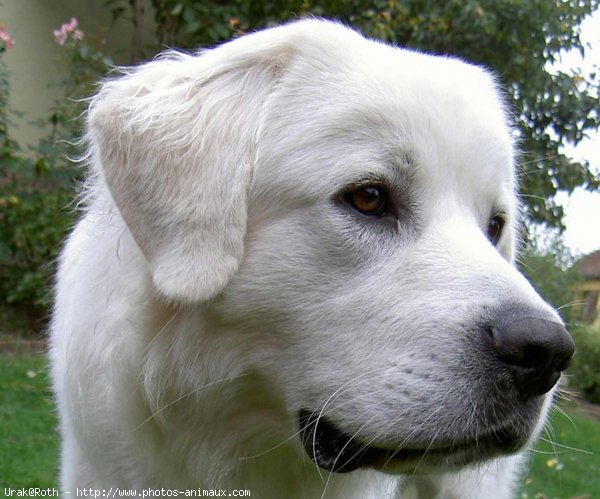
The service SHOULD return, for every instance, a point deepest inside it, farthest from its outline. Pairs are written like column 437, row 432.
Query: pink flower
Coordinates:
column 72, row 24
column 6, row 39
column 62, row 34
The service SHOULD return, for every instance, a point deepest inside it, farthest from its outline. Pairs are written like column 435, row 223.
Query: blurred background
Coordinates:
column 546, row 54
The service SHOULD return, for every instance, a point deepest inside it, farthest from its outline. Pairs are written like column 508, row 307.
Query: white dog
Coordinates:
column 294, row 277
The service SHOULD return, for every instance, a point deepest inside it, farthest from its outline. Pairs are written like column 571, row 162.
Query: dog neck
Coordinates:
column 245, row 437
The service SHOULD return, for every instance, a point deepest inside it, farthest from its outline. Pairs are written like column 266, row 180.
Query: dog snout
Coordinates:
column 535, row 348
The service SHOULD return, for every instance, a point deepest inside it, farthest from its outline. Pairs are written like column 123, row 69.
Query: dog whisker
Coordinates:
column 424, row 455
column 412, row 433
column 574, row 303
column 558, row 409
column 331, row 397
column 534, row 161
column 567, row 447
column 341, row 453
column 323, row 413
column 299, row 207
column 532, row 196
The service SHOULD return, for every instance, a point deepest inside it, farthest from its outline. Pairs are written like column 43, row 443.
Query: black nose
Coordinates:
column 535, row 348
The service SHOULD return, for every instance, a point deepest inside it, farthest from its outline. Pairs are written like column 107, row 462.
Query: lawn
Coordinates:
column 565, row 465
column 28, row 439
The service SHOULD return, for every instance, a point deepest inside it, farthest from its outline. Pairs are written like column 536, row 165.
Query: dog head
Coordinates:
column 352, row 206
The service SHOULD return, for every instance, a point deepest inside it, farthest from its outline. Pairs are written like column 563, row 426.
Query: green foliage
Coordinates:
column 565, row 463
column 585, row 367
column 37, row 189
column 519, row 39
column 33, row 222
column 550, row 267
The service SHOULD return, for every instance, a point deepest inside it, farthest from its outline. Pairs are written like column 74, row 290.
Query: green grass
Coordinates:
column 28, row 438
column 566, row 463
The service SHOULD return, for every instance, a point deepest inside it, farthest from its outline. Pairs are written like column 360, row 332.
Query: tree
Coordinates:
column 518, row 39
column 551, row 268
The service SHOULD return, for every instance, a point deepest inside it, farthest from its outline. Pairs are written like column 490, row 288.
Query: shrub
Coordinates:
column 36, row 189
column 33, row 221
column 550, row 266
column 585, row 367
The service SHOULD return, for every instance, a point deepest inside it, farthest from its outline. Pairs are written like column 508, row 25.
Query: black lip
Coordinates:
column 330, row 448
column 336, row 451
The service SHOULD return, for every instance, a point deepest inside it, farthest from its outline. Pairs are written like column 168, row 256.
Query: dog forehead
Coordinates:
column 350, row 109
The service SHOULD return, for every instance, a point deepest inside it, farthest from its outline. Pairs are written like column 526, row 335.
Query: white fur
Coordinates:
column 215, row 287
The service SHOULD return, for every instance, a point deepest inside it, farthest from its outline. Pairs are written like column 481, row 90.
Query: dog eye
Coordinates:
column 371, row 200
column 494, row 229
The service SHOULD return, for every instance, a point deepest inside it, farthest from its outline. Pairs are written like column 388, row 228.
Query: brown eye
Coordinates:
column 369, row 201
column 494, row 229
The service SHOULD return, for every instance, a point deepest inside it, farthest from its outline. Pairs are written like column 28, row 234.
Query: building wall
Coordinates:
column 591, row 301
column 37, row 60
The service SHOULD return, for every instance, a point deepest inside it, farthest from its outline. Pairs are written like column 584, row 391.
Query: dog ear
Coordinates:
column 174, row 141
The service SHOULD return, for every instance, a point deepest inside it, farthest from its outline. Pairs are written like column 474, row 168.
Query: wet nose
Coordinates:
column 534, row 347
